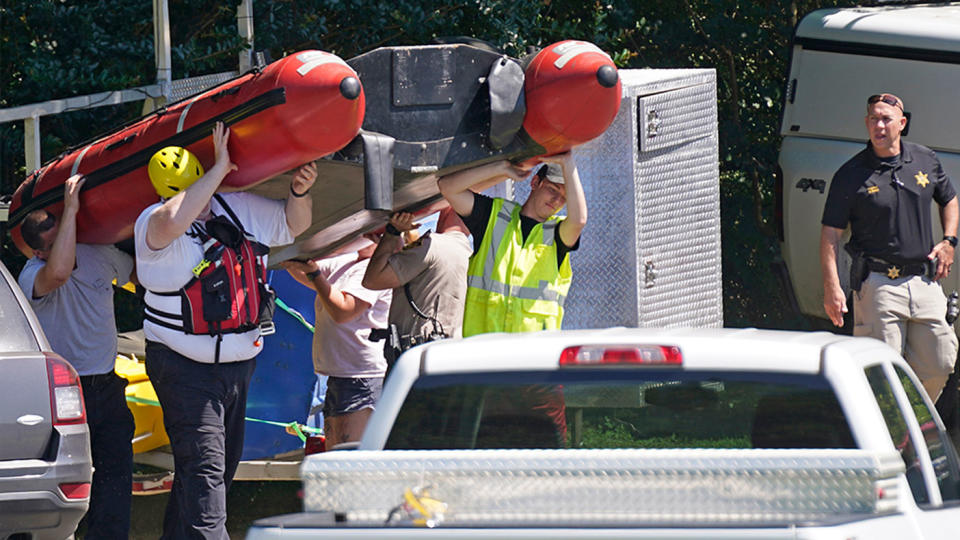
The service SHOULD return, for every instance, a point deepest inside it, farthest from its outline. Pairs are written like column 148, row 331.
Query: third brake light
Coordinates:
column 591, row 355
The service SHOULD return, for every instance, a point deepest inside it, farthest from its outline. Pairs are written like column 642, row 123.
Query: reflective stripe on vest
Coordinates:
column 528, row 295
column 542, row 292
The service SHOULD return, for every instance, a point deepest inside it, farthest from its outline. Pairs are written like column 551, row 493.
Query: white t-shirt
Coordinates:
column 77, row 317
column 170, row 268
column 344, row 350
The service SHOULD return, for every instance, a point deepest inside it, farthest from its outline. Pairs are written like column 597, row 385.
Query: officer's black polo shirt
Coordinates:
column 888, row 207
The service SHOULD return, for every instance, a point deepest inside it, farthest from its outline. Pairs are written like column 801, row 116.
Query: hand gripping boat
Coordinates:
column 290, row 112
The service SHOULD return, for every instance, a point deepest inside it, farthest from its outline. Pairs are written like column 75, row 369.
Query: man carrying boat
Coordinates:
column 346, row 312
column 70, row 287
column 520, row 270
column 428, row 277
column 201, row 256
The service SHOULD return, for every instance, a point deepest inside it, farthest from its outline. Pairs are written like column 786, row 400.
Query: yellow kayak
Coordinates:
column 142, row 401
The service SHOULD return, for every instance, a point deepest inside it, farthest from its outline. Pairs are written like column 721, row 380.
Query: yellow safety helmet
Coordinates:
column 172, row 170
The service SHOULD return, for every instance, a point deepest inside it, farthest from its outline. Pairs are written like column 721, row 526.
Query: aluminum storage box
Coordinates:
column 622, row 487
column 650, row 254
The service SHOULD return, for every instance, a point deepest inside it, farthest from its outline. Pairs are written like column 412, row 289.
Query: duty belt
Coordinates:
column 894, row 271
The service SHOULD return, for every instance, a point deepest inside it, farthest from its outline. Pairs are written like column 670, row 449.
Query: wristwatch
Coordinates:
column 313, row 275
column 951, row 239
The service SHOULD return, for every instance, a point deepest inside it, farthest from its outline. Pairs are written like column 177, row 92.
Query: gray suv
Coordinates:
column 45, row 465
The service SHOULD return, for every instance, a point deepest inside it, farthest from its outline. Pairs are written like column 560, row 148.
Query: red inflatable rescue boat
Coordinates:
column 439, row 108
column 293, row 111
column 572, row 93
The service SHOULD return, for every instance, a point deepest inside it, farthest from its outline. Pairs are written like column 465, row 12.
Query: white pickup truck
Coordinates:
column 640, row 433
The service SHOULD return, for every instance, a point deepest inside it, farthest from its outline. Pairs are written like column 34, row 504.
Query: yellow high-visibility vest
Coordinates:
column 512, row 285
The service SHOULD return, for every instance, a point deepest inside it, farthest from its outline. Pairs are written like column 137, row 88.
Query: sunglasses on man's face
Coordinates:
column 886, row 98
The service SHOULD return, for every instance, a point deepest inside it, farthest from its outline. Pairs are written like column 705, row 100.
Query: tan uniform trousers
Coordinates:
column 907, row 313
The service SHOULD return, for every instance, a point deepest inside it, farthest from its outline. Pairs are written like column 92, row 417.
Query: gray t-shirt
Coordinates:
column 435, row 266
column 77, row 317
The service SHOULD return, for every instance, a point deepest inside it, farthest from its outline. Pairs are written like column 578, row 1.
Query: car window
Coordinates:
column 611, row 408
column 16, row 335
column 897, row 427
column 942, row 458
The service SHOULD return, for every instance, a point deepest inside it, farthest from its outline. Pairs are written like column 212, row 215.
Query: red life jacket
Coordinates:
column 229, row 286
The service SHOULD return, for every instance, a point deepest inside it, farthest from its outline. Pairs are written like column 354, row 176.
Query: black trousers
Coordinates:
column 203, row 412
column 111, row 430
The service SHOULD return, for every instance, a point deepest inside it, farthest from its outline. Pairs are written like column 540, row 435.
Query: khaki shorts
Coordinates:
column 907, row 313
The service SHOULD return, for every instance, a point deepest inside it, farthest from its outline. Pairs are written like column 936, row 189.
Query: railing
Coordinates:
column 154, row 95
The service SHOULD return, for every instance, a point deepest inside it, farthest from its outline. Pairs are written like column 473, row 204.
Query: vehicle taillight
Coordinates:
column 66, row 397
column 75, row 491
column 621, row 354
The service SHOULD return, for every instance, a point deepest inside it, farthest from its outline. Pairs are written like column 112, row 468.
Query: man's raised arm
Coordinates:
column 299, row 205
column 380, row 274
column 571, row 227
column 177, row 213
column 63, row 252
column 458, row 188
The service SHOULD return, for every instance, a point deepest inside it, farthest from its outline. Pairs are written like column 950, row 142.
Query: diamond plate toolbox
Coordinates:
column 650, row 254
column 616, row 487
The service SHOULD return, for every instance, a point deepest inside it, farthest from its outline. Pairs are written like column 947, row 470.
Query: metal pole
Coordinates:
column 161, row 49
column 31, row 142
column 245, row 29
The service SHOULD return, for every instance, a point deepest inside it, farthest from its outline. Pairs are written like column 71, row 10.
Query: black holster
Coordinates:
column 391, row 344
column 395, row 344
column 858, row 268
column 930, row 267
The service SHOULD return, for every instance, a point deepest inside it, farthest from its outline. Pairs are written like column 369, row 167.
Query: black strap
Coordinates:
column 216, row 352
column 436, row 324
column 171, row 293
column 171, row 326
column 230, row 213
column 198, row 231
column 164, row 324
column 148, row 309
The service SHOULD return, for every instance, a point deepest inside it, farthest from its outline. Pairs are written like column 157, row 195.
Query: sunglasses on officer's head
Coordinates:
column 886, row 98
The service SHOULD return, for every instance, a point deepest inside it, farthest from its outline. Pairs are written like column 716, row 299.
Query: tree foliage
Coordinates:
column 748, row 43
column 59, row 48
